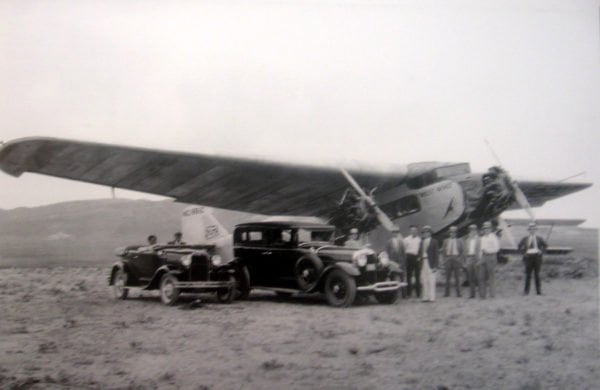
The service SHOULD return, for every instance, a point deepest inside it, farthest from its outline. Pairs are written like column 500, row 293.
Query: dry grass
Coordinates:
column 60, row 329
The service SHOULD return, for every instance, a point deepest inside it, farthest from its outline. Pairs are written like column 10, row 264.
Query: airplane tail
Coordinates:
column 200, row 227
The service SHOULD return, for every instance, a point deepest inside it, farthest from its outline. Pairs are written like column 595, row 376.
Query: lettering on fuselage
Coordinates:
column 440, row 188
column 194, row 211
column 211, row 232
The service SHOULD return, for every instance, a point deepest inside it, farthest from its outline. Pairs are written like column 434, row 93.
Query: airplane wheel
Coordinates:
column 340, row 289
column 168, row 292
column 118, row 286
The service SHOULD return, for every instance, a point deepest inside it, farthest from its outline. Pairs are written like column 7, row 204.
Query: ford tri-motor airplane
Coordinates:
column 427, row 193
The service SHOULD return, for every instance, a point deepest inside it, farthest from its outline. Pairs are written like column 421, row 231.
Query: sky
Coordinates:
column 379, row 82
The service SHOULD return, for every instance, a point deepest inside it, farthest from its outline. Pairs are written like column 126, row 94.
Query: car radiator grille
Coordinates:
column 199, row 268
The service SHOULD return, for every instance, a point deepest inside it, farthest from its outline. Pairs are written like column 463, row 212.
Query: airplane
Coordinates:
column 438, row 194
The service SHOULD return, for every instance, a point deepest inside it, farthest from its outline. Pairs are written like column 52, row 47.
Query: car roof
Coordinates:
column 286, row 224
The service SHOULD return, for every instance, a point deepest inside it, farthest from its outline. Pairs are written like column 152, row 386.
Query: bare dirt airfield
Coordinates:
column 60, row 330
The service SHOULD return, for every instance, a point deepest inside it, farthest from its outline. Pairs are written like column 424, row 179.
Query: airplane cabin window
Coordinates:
column 404, row 206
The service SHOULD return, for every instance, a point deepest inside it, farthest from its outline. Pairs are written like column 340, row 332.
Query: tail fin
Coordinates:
column 199, row 226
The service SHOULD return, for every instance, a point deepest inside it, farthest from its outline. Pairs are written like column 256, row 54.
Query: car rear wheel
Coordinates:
column 168, row 292
column 242, row 283
column 118, row 286
column 226, row 295
column 340, row 289
column 389, row 297
column 307, row 270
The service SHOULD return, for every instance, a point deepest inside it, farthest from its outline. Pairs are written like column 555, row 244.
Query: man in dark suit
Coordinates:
column 396, row 253
column 452, row 258
column 532, row 247
column 429, row 262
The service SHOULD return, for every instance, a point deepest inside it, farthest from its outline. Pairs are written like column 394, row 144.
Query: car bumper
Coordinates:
column 382, row 286
column 204, row 285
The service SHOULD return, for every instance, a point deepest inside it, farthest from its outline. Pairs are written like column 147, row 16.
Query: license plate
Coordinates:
column 370, row 267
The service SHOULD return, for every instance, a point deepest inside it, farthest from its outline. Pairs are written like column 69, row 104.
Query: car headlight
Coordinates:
column 360, row 258
column 186, row 260
column 384, row 259
column 216, row 260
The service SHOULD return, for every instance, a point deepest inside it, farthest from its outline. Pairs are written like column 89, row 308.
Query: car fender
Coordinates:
column 118, row 265
column 158, row 274
column 348, row 268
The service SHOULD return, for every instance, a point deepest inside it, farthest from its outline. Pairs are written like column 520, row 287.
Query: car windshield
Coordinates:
column 309, row 235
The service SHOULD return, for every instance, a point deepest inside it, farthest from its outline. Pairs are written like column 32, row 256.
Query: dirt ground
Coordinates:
column 60, row 329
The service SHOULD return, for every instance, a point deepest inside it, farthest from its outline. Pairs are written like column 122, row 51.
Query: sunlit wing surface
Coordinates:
column 539, row 192
column 552, row 250
column 251, row 185
column 545, row 221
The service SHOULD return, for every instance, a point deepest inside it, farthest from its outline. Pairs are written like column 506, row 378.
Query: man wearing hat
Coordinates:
column 428, row 257
column 472, row 247
column 490, row 246
column 396, row 253
column 452, row 258
column 353, row 241
column 532, row 247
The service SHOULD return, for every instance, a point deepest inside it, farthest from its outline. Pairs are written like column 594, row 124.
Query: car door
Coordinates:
column 283, row 257
column 144, row 264
column 255, row 255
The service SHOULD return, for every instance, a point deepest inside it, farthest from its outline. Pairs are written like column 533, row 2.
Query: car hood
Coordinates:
column 339, row 253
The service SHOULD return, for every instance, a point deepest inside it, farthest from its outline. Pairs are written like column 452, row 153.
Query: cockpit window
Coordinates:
column 453, row 170
column 404, row 206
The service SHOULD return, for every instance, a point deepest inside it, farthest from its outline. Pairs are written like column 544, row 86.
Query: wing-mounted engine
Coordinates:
column 497, row 194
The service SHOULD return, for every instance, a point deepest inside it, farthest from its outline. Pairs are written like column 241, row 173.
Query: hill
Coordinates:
column 87, row 232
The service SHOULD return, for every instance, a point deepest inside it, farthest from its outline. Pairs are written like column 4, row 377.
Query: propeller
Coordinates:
column 506, row 231
column 519, row 195
column 381, row 216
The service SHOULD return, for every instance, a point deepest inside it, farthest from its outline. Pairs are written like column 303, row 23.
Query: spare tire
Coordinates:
column 307, row 270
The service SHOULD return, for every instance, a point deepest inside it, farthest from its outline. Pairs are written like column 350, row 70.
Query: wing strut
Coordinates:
column 381, row 216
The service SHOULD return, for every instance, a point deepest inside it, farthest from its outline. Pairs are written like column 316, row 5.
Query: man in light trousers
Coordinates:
column 490, row 246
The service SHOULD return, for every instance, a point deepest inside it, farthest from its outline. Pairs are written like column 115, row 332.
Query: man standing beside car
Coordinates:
column 428, row 257
column 396, row 253
column 412, row 243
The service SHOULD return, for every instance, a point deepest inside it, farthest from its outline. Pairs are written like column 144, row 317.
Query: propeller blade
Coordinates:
column 381, row 216
column 522, row 201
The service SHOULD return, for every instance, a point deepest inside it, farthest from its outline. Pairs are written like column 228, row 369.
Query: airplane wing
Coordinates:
column 251, row 185
column 551, row 250
column 539, row 192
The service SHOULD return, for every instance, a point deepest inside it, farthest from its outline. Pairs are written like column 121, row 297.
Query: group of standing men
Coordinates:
column 420, row 256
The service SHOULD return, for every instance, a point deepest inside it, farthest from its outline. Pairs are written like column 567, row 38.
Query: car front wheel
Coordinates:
column 118, row 286
column 226, row 295
column 340, row 289
column 168, row 292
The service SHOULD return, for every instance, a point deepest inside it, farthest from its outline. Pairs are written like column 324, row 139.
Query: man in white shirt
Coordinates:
column 490, row 246
column 472, row 249
column 353, row 241
column 429, row 259
column 452, row 258
column 532, row 247
column 412, row 243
